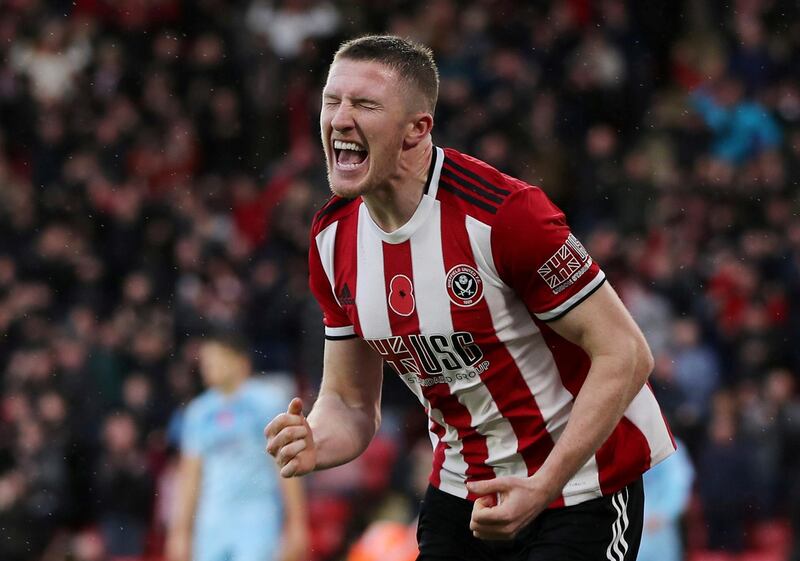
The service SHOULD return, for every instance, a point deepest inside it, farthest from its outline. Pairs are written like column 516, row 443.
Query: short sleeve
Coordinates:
column 337, row 323
column 539, row 258
column 191, row 431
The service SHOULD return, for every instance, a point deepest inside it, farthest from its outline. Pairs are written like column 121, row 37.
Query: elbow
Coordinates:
column 644, row 362
column 376, row 421
column 639, row 360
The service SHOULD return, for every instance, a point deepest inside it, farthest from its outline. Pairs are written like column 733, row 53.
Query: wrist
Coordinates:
column 548, row 482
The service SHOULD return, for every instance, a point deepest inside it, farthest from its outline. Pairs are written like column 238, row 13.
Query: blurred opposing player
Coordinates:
column 232, row 506
column 669, row 488
column 470, row 285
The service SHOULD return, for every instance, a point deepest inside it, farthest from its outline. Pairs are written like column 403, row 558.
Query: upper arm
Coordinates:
column 539, row 258
column 190, row 472
column 192, row 429
column 602, row 325
column 320, row 279
column 559, row 282
column 353, row 371
column 191, row 469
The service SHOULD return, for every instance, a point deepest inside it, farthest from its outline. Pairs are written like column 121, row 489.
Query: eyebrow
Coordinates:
column 353, row 99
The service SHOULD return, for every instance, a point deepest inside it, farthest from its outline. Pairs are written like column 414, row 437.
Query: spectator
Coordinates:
column 290, row 25
column 20, row 534
column 742, row 128
column 44, row 499
column 123, row 488
column 725, row 484
column 52, row 63
column 696, row 366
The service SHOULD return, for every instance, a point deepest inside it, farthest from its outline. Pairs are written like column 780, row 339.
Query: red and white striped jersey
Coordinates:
column 457, row 302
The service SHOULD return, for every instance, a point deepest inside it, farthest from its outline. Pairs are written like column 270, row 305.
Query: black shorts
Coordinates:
column 603, row 529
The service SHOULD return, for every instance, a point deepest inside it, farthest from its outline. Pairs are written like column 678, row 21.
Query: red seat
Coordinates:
column 328, row 517
column 774, row 536
column 703, row 555
column 761, row 556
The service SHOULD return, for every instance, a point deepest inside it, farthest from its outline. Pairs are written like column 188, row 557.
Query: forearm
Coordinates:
column 610, row 386
column 341, row 431
column 178, row 546
column 295, row 529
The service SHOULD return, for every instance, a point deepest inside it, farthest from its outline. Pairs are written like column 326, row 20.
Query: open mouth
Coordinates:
column 349, row 155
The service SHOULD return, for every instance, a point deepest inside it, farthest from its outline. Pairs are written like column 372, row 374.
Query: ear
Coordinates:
column 419, row 128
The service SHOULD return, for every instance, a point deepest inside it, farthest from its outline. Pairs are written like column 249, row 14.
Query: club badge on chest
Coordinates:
column 464, row 286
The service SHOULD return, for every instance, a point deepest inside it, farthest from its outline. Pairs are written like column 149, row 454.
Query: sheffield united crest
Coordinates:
column 464, row 286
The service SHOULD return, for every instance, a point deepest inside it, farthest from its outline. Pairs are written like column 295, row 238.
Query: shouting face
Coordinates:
column 364, row 119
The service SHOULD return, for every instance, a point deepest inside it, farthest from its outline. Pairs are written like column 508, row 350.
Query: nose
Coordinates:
column 342, row 118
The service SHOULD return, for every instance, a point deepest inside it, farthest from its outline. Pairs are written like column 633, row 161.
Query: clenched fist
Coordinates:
column 290, row 442
column 506, row 505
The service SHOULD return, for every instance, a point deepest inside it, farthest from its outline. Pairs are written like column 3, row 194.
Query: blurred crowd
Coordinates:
column 159, row 168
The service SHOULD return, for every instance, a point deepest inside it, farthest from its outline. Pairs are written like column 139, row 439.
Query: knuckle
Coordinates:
column 282, row 457
column 288, row 452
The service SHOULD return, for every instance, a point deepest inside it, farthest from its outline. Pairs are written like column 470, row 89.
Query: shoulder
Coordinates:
column 478, row 189
column 271, row 392
column 200, row 405
column 334, row 209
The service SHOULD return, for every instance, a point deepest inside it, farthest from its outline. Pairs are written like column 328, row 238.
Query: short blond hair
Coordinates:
column 412, row 61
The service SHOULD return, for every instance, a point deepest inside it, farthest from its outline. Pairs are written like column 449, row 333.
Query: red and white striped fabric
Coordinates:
column 457, row 302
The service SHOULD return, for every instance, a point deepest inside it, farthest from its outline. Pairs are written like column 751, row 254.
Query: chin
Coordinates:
column 348, row 189
column 345, row 193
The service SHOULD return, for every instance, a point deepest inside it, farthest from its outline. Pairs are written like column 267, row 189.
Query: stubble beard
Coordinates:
column 378, row 175
column 365, row 186
column 348, row 193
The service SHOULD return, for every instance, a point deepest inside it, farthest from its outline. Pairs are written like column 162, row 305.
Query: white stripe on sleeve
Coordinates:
column 336, row 332
column 573, row 300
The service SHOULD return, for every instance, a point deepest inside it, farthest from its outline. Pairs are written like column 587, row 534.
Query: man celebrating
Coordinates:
column 469, row 284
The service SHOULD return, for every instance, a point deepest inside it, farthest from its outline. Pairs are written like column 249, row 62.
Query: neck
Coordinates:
column 394, row 204
column 232, row 384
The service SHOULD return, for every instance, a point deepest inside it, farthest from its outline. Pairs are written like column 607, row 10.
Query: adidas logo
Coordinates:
column 345, row 297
